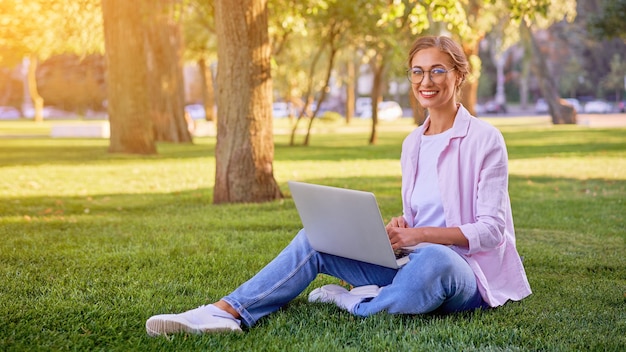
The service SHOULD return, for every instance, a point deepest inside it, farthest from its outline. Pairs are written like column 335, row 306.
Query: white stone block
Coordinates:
column 91, row 130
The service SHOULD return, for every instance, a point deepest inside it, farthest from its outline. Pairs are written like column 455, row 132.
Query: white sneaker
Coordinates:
column 343, row 298
column 203, row 319
column 367, row 291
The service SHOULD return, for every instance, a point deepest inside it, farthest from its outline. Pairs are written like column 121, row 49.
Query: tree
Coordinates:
column 609, row 21
column 309, row 91
column 615, row 79
column 500, row 42
column 395, row 24
column 349, row 79
column 145, row 84
column 245, row 149
column 332, row 36
column 125, row 26
column 541, row 15
column 480, row 18
column 201, row 46
column 574, row 77
column 37, row 29
column 165, row 72
column 312, row 44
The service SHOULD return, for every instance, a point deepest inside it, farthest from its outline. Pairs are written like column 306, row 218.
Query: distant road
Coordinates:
column 602, row 120
column 591, row 120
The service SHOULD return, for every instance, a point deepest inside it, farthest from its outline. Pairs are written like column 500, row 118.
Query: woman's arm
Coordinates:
column 402, row 236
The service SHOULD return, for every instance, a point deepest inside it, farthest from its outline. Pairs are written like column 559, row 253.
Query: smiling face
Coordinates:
column 435, row 92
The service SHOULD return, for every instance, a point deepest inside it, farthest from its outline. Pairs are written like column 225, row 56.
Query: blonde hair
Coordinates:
column 448, row 46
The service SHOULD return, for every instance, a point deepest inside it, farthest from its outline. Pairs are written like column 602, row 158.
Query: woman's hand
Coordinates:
column 400, row 234
column 403, row 237
column 398, row 221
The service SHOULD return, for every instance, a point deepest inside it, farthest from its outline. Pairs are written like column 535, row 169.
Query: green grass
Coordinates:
column 92, row 244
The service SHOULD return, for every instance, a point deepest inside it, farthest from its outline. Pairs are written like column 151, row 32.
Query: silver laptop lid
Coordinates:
column 343, row 222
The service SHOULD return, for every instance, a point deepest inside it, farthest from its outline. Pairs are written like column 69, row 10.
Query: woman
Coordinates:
column 456, row 221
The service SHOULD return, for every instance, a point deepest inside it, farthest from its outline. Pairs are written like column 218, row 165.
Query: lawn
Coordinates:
column 92, row 244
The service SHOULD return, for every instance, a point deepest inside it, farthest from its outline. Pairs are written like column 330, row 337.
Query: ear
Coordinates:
column 460, row 80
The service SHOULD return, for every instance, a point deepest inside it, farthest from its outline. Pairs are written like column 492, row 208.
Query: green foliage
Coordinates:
column 92, row 244
column 199, row 29
column 299, row 29
column 614, row 80
column 521, row 9
column 11, row 87
column 73, row 83
column 331, row 117
column 46, row 27
column 574, row 77
column 609, row 21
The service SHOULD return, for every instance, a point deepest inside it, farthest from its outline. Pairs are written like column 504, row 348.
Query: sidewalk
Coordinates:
column 602, row 120
column 582, row 119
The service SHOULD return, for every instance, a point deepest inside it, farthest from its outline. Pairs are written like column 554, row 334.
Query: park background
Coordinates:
column 323, row 53
column 98, row 235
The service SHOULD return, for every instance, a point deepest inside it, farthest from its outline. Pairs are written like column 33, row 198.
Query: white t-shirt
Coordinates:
column 426, row 200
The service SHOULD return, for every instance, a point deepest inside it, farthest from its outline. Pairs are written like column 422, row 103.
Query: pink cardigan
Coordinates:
column 473, row 182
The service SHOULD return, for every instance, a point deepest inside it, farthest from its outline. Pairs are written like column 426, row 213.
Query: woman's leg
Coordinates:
column 436, row 278
column 291, row 272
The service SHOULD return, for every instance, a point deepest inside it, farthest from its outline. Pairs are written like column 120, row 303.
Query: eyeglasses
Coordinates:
column 437, row 75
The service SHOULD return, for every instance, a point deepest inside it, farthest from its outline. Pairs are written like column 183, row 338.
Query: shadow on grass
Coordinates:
column 105, row 271
column 87, row 151
column 524, row 144
column 521, row 144
column 41, row 151
column 593, row 205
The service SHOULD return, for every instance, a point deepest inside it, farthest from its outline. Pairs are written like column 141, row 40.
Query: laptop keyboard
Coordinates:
column 401, row 253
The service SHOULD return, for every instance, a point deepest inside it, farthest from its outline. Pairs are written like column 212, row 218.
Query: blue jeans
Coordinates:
column 435, row 279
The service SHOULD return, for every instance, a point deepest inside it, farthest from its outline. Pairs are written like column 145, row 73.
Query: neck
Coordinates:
column 441, row 119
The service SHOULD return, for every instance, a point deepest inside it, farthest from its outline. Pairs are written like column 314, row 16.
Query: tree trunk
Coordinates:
column 127, row 77
column 469, row 91
column 307, row 94
column 329, row 71
column 244, row 151
column 527, row 62
column 378, row 68
column 562, row 113
column 350, row 89
column 419, row 113
column 208, row 92
column 32, row 88
column 499, row 60
column 523, row 83
column 165, row 74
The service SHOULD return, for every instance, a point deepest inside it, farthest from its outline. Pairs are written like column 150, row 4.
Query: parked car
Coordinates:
column 387, row 111
column 491, row 107
column 362, row 104
column 598, row 107
column 575, row 103
column 282, row 109
column 9, row 113
column 479, row 109
column 541, row 106
column 51, row 112
column 196, row 111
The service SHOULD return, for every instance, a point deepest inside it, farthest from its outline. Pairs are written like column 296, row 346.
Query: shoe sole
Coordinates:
column 168, row 327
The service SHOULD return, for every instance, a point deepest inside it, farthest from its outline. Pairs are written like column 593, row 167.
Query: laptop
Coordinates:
column 345, row 223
